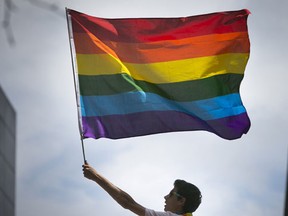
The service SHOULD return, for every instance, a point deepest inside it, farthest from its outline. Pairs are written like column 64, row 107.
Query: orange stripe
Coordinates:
column 161, row 51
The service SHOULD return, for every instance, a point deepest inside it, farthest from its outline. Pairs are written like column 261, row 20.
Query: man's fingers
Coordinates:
column 85, row 166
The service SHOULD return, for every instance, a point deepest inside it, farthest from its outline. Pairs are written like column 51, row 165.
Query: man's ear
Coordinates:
column 182, row 201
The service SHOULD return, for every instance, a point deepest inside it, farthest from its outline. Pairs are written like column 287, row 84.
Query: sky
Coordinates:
column 246, row 176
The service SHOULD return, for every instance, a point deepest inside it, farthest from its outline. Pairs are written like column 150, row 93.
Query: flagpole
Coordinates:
column 74, row 68
column 286, row 193
column 83, row 150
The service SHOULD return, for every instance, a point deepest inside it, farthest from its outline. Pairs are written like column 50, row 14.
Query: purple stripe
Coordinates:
column 145, row 123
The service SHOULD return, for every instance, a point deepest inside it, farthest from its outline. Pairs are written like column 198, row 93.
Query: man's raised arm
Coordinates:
column 120, row 196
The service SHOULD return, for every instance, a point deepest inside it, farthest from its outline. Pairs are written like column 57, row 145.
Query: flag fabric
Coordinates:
column 140, row 76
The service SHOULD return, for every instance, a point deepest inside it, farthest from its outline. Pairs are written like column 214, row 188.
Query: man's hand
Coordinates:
column 89, row 172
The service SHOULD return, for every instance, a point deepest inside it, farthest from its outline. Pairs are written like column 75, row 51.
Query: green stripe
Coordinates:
column 181, row 91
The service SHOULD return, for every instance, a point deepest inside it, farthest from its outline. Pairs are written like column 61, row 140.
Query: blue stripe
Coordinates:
column 133, row 102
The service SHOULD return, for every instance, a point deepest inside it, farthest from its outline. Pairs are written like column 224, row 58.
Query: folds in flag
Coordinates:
column 140, row 76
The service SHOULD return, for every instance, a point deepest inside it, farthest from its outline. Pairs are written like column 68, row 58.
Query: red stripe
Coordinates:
column 161, row 51
column 158, row 29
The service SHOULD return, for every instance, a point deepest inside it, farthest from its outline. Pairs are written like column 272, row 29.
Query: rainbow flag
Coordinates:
column 140, row 76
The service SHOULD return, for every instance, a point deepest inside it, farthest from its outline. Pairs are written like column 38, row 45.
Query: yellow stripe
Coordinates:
column 164, row 72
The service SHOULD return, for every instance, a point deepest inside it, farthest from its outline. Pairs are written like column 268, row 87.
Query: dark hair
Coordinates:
column 191, row 193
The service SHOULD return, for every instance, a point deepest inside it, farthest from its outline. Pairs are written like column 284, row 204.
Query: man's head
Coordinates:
column 184, row 198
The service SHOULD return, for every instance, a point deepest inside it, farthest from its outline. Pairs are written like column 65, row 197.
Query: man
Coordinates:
column 183, row 199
